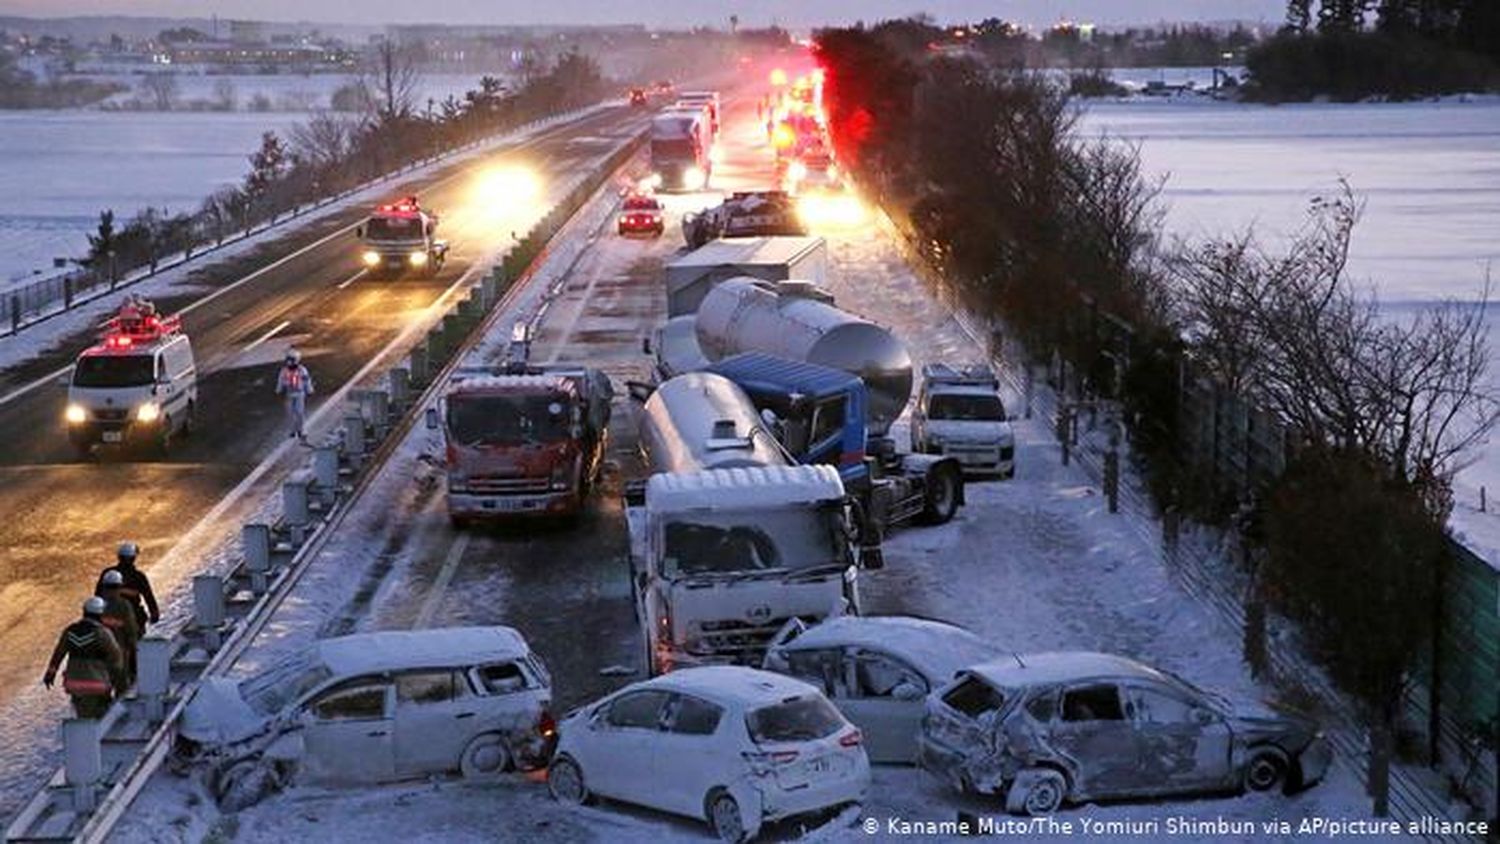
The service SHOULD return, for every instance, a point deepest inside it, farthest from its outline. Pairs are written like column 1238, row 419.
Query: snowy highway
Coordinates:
column 60, row 517
column 1037, row 563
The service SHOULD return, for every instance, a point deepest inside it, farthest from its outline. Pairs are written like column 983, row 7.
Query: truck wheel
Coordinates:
column 459, row 522
column 942, row 497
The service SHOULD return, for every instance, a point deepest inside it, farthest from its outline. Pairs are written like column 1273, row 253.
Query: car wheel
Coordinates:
column 565, row 782
column 485, row 757
column 724, row 818
column 1265, row 770
column 1036, row 792
column 942, row 497
column 243, row 784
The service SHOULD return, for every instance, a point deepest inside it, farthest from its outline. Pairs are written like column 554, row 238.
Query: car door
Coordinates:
column 690, row 757
column 621, row 740
column 1093, row 730
column 436, row 716
column 883, row 696
column 1185, row 744
column 347, row 735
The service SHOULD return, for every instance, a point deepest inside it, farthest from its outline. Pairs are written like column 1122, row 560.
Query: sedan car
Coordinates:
column 641, row 215
column 878, row 670
column 373, row 707
column 1044, row 729
column 730, row 745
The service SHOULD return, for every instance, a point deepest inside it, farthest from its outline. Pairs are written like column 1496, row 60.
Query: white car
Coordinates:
column 959, row 414
column 373, row 707
column 878, row 670
column 733, row 746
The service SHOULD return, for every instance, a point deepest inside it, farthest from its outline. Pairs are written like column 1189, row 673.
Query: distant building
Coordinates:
column 247, row 32
column 262, row 54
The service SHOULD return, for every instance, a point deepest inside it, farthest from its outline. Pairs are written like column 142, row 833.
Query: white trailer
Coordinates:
column 690, row 277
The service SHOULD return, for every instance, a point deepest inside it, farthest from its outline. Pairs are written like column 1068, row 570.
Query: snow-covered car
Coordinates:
column 1044, row 729
column 373, row 707
column 641, row 214
column 959, row 413
column 878, row 671
column 733, row 746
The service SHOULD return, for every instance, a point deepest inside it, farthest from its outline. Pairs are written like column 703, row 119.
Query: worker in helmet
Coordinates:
column 119, row 617
column 95, row 670
column 296, row 385
column 135, row 588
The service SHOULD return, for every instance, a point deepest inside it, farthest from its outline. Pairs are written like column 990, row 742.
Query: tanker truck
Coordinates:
column 797, row 322
column 730, row 539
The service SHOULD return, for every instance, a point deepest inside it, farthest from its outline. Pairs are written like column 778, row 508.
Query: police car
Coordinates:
column 137, row 387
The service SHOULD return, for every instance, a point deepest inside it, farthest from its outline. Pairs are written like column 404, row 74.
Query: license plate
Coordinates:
column 114, row 436
column 506, row 504
column 820, row 765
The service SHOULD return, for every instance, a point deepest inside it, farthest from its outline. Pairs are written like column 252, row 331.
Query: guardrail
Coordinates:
column 108, row 761
column 25, row 305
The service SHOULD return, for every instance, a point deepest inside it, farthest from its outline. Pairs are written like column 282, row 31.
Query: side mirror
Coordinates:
column 907, row 691
column 432, row 419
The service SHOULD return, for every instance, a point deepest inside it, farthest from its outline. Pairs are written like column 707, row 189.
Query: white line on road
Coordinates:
column 268, row 335
column 350, row 280
column 445, row 576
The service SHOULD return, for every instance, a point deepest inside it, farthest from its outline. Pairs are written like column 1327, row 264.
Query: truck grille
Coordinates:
column 507, row 486
column 740, row 637
column 111, row 415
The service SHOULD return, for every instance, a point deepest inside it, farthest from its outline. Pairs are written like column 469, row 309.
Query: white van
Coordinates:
column 138, row 386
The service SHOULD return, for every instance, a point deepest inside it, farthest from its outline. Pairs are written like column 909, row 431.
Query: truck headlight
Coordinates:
column 418, row 259
column 694, row 178
column 148, row 412
column 562, row 477
column 371, row 259
column 75, row 414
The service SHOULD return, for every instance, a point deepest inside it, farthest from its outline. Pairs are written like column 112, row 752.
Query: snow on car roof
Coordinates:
column 937, row 649
column 732, row 684
column 743, row 487
column 1060, row 667
column 389, row 650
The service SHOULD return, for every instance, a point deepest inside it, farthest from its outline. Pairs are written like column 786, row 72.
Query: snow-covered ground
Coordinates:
column 1033, row 563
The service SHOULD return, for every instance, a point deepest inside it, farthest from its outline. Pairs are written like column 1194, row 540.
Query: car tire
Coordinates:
column 485, row 757
column 243, row 784
column 1037, row 792
column 725, row 819
column 1265, row 770
column 565, row 782
column 942, row 496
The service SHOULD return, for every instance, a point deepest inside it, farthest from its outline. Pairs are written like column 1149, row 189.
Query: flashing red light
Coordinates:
column 783, row 136
column 118, row 341
column 546, row 726
column 853, row 738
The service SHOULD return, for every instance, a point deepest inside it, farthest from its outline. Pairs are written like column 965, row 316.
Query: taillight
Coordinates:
column 853, row 738
column 546, row 725
column 761, row 763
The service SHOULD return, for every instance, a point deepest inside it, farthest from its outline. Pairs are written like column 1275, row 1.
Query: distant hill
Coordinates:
column 100, row 27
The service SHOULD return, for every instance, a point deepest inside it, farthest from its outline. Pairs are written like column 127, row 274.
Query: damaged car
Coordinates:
column 878, row 671
column 370, row 708
column 1040, row 730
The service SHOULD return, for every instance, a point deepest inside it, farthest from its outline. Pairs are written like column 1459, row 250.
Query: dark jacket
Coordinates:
column 95, row 662
column 120, row 618
column 136, row 590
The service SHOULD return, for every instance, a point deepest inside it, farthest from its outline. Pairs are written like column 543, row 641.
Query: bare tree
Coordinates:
column 160, row 90
column 391, row 77
column 325, row 140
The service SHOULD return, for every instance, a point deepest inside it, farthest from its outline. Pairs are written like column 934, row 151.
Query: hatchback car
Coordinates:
column 641, row 215
column 1044, row 729
column 373, row 707
column 878, row 671
column 733, row 746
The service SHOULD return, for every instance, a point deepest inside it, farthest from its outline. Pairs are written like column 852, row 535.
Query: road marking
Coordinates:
column 350, row 280
column 445, row 576
column 464, row 169
column 268, row 335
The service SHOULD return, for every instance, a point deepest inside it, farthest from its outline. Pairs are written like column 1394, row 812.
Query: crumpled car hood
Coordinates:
column 1263, row 720
column 218, row 715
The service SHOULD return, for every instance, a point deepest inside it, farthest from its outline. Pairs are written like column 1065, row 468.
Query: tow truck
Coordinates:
column 137, row 386
column 401, row 235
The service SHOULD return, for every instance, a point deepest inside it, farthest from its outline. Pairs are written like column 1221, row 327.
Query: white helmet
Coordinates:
column 113, row 578
column 127, row 550
column 93, row 606
column 293, row 357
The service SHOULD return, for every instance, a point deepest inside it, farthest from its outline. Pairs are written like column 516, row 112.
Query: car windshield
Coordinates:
column 112, row 371
column 284, row 683
column 641, row 203
column 476, row 421
column 752, row 541
column 673, row 148
column 975, row 408
column 393, row 228
column 799, row 719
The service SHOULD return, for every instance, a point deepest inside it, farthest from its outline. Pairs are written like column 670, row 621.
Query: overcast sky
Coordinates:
column 793, row 13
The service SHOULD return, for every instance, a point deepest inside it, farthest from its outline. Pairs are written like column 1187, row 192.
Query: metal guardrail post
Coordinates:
column 399, row 380
column 420, row 365
column 255, row 542
column 325, row 468
column 153, row 676
column 295, row 513
column 354, row 435
column 15, row 314
column 208, row 610
column 82, row 761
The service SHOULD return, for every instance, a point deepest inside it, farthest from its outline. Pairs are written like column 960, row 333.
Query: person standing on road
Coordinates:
column 136, row 587
column 119, row 617
column 296, row 385
column 95, row 669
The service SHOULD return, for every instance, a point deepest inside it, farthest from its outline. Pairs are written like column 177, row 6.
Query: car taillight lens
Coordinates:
column 853, row 738
column 546, row 726
column 762, row 763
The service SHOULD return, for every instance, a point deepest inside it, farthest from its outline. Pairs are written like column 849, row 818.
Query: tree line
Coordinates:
column 1058, row 235
column 334, row 152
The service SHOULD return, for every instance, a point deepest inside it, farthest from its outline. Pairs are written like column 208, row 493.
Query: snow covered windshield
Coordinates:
column 507, row 420
column 127, row 371
column 393, row 228
column 966, row 408
column 282, row 684
column 752, row 541
column 800, row 719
